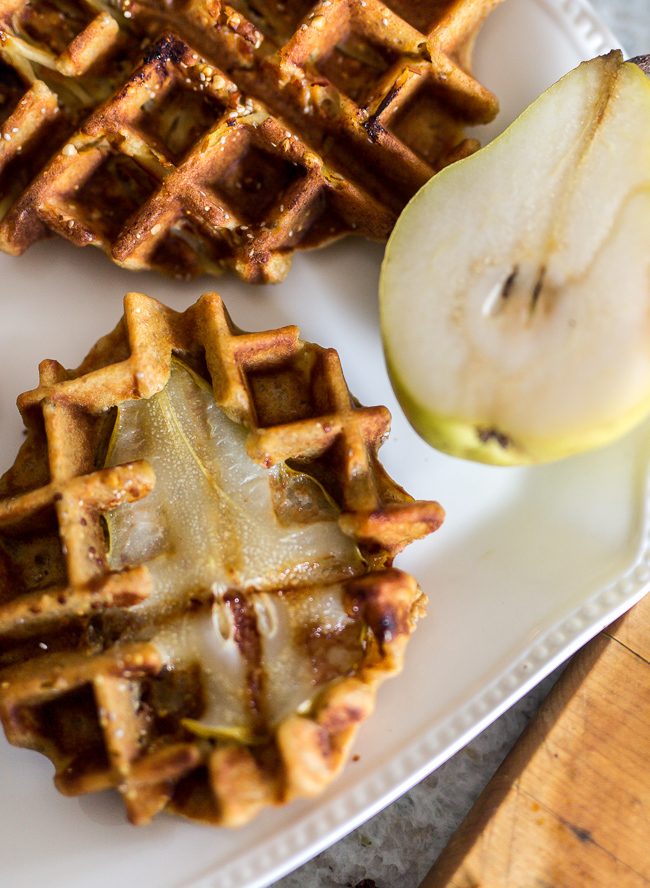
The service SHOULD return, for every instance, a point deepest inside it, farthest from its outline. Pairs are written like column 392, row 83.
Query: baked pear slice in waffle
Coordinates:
column 199, row 136
column 197, row 592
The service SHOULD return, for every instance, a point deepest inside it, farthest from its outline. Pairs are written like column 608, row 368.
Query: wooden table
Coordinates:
column 570, row 805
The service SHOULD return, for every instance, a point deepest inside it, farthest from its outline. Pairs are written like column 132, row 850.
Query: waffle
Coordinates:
column 208, row 647
column 192, row 137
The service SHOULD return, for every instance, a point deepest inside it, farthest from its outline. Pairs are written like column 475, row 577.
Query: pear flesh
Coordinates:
column 515, row 288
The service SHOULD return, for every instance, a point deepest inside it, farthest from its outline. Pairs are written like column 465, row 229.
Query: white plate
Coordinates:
column 527, row 567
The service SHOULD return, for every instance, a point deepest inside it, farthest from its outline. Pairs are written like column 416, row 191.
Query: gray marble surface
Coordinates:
column 396, row 848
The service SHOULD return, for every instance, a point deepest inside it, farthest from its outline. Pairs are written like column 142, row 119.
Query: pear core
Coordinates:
column 515, row 288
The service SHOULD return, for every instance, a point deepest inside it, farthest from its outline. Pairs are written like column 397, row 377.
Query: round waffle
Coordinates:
column 197, row 595
column 241, row 134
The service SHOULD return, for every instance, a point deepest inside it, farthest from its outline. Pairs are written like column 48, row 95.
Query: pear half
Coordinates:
column 515, row 288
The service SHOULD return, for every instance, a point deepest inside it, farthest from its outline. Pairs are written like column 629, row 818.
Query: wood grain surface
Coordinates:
column 570, row 805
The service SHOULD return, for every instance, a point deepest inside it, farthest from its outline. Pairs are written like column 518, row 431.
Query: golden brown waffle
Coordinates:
column 245, row 132
column 117, row 585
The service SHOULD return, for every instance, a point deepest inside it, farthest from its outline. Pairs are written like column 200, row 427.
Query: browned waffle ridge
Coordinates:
column 238, row 134
column 84, row 676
